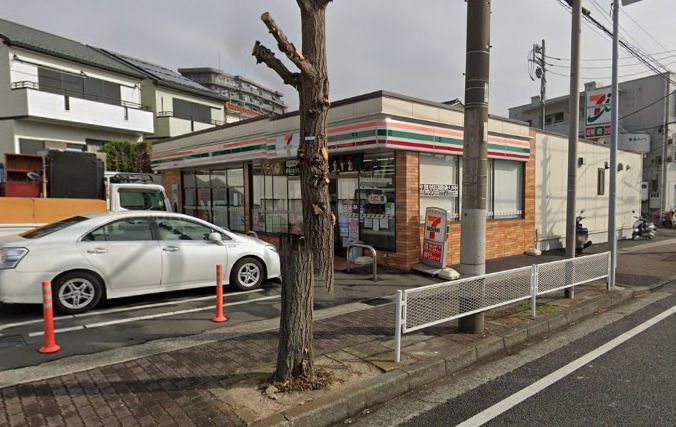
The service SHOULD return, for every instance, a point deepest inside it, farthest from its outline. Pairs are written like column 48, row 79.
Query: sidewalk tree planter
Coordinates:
column 315, row 250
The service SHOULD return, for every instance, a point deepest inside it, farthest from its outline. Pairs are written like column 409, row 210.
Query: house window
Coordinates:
column 554, row 118
column 78, row 86
column 600, row 182
column 31, row 146
column 191, row 111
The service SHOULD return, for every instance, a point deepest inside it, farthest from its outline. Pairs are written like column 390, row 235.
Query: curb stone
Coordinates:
column 335, row 408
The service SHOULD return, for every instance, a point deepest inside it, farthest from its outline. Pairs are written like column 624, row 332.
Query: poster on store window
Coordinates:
column 435, row 243
column 287, row 145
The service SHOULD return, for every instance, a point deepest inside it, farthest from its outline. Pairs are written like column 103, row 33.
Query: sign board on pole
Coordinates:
column 435, row 243
column 598, row 113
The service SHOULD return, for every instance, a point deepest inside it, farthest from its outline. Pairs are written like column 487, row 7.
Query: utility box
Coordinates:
column 645, row 194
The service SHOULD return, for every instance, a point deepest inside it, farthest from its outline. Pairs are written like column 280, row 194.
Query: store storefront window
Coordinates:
column 216, row 196
column 276, row 198
column 441, row 183
column 507, row 194
column 363, row 199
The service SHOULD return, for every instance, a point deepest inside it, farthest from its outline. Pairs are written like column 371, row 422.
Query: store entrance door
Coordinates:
column 345, row 206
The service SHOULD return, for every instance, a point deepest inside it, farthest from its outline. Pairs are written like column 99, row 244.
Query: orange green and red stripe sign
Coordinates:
column 380, row 133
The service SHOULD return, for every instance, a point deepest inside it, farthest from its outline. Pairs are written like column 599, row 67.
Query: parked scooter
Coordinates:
column 643, row 227
column 669, row 219
column 581, row 235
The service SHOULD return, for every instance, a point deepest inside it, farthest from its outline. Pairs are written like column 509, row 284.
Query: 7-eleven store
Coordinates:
column 390, row 157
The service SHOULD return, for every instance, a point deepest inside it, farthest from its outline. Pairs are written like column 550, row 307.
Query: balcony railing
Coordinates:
column 88, row 96
column 192, row 119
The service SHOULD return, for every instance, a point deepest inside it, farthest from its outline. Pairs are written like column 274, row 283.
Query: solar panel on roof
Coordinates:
column 164, row 74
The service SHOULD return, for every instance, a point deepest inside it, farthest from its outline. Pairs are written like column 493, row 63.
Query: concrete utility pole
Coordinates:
column 543, row 82
column 475, row 156
column 573, row 131
column 612, row 234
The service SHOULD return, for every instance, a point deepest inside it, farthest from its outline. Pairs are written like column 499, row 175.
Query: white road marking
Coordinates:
column 523, row 394
column 120, row 310
column 152, row 316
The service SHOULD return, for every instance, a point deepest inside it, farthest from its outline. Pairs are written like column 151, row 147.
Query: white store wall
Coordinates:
column 551, row 189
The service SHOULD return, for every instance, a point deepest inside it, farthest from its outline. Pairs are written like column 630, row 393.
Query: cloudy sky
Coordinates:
column 414, row 47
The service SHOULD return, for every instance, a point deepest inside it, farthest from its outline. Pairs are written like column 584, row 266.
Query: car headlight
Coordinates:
column 271, row 248
column 10, row 257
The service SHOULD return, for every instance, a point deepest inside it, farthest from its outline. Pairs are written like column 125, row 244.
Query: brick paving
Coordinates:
column 172, row 389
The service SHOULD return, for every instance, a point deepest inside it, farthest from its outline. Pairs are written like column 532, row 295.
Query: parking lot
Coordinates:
column 132, row 321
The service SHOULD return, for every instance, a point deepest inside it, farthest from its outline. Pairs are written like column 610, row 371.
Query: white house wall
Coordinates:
column 551, row 189
column 69, row 134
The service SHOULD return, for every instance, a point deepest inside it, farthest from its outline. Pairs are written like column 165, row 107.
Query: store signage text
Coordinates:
column 441, row 190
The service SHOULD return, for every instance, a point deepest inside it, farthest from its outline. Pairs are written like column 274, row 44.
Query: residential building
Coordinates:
column 59, row 93
column 390, row 158
column 239, row 90
column 647, row 113
column 179, row 104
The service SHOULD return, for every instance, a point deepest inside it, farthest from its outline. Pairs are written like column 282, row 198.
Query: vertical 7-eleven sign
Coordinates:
column 598, row 112
column 435, row 244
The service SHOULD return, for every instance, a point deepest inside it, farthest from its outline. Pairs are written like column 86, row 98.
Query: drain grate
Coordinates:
column 13, row 341
column 377, row 301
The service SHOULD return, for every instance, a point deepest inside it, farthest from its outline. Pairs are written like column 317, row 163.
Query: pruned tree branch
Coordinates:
column 287, row 47
column 265, row 55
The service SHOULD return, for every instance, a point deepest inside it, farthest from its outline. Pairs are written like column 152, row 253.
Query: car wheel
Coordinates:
column 247, row 274
column 77, row 292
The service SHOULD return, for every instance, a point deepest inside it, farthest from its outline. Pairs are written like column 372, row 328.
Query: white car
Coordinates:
column 118, row 254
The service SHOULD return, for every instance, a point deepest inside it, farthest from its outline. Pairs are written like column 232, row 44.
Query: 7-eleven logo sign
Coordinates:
column 433, row 226
column 598, row 107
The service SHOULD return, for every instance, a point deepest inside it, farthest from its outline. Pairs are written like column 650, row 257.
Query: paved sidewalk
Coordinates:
column 182, row 387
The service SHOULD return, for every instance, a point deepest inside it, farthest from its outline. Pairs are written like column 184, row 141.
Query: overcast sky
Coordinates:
column 414, row 47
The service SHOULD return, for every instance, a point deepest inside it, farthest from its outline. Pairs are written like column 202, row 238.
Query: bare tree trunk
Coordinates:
column 315, row 252
column 294, row 354
column 313, row 153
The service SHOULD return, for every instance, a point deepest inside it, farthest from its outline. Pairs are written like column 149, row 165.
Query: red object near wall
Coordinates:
column 22, row 189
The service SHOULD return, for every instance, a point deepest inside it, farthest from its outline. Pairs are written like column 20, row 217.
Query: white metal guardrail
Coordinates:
column 431, row 305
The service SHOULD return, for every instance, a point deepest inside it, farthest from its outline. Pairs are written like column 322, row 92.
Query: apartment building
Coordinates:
column 239, row 90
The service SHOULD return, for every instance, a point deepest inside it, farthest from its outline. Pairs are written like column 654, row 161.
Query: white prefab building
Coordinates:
column 58, row 93
column 593, row 177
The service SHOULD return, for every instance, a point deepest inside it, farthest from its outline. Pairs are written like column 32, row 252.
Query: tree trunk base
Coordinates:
column 295, row 355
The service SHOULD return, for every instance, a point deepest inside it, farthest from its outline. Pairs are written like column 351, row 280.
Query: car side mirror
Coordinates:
column 216, row 238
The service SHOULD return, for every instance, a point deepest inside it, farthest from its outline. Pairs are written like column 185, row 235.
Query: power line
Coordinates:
column 642, row 28
column 647, row 106
column 661, row 53
column 638, row 73
column 604, row 67
column 665, row 73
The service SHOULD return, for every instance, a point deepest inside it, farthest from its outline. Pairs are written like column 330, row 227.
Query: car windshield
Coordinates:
column 136, row 200
column 45, row 230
